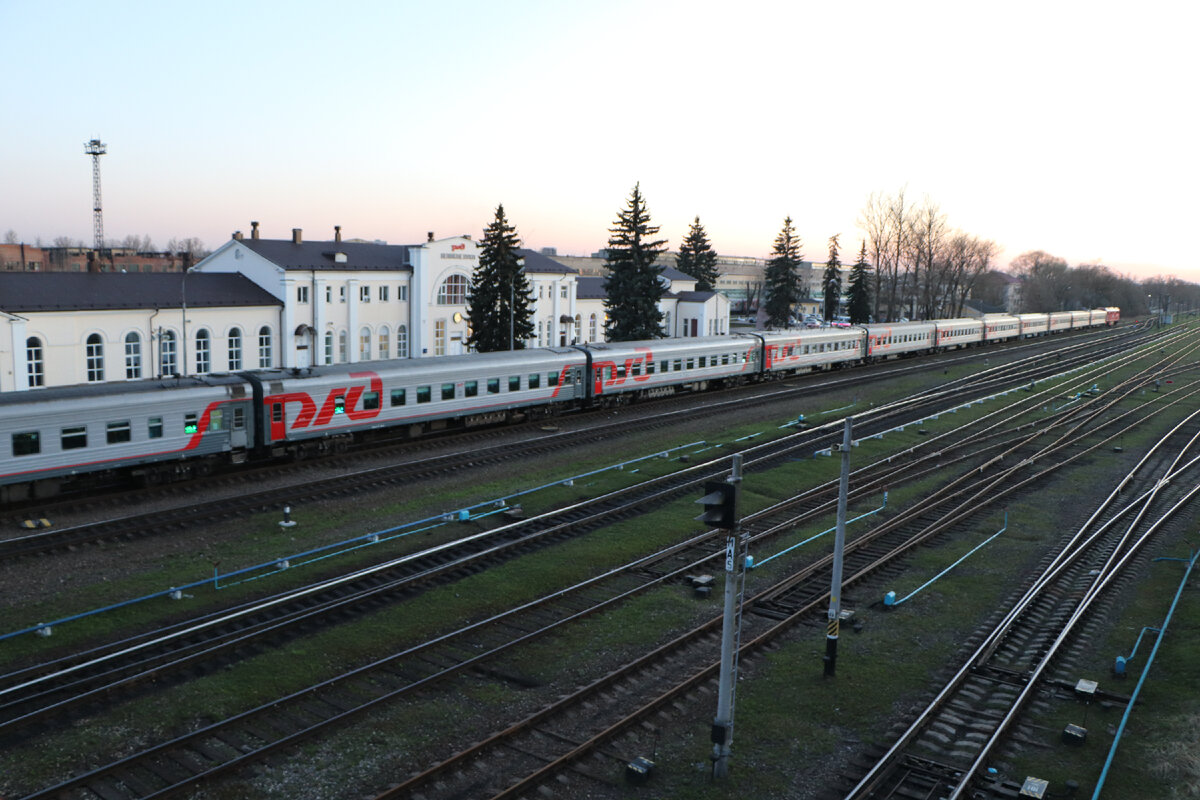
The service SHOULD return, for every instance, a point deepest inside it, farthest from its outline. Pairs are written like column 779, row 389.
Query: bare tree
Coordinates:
column 1046, row 279
column 10, row 237
column 887, row 222
column 927, row 263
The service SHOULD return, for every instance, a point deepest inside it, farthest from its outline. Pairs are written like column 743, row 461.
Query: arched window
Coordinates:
column 592, row 328
column 453, row 291
column 364, row 344
column 166, row 354
column 402, row 341
column 385, row 341
column 264, row 347
column 133, row 356
column 235, row 349
column 343, row 348
column 35, row 364
column 328, row 347
column 95, row 358
column 203, row 352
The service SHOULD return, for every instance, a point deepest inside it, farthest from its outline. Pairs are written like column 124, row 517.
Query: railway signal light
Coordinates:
column 720, row 503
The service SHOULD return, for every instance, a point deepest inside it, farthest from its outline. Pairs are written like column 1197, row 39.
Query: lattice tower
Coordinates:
column 95, row 148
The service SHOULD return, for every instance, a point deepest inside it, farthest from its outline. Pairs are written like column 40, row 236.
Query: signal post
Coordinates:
column 721, row 511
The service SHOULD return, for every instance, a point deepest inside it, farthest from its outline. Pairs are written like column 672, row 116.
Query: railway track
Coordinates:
column 484, row 441
column 292, row 736
column 172, row 520
column 946, row 750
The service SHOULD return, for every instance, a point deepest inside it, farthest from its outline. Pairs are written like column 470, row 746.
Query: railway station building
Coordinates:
column 293, row 303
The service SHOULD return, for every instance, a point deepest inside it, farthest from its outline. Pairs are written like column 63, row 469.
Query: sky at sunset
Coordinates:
column 1067, row 127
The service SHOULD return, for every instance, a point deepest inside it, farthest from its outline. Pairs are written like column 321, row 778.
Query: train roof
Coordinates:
column 120, row 388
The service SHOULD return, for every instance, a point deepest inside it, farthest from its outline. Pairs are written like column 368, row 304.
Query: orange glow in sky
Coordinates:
column 1066, row 127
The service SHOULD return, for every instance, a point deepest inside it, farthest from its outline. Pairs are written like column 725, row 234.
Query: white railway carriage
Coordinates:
column 183, row 424
column 890, row 339
column 1080, row 319
column 324, row 403
column 955, row 333
column 800, row 351
column 1096, row 318
column 998, row 327
column 619, row 371
column 1060, row 321
column 1034, row 324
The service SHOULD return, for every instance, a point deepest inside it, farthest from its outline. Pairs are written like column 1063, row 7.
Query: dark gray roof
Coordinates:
column 672, row 274
column 536, row 262
column 590, row 287
column 66, row 291
column 320, row 255
column 694, row 297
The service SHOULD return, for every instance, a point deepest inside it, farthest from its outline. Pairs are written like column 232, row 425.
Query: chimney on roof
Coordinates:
column 296, row 239
column 337, row 233
column 430, row 235
column 237, row 236
column 253, row 230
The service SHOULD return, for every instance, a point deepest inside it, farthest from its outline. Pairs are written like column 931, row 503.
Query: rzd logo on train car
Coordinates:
column 340, row 400
column 609, row 373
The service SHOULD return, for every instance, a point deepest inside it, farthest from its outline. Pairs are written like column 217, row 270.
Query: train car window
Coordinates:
column 691, row 363
column 339, row 405
column 189, row 423
column 514, row 383
column 398, row 397
column 74, row 438
column 239, row 418
column 216, row 420
column 649, row 367
column 621, row 371
column 154, row 427
column 118, row 432
column 26, row 444
column 493, row 386
column 535, row 380
column 370, row 401
column 447, row 391
column 637, row 368
column 277, row 412
column 678, row 365
column 424, row 394
column 704, row 361
column 552, row 379
column 664, row 366
column 471, row 389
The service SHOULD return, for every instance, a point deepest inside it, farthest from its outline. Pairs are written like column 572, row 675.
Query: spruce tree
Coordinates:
column 499, row 307
column 632, row 286
column 831, row 280
column 782, row 277
column 859, row 296
column 698, row 259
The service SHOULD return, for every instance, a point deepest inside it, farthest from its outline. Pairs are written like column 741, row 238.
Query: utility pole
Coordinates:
column 721, row 511
column 839, row 546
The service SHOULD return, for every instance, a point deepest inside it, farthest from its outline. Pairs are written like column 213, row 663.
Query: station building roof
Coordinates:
column 69, row 291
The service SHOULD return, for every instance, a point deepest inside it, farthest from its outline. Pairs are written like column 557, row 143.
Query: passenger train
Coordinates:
column 162, row 430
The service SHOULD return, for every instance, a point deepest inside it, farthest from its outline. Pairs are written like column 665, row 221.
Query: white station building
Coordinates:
column 259, row 303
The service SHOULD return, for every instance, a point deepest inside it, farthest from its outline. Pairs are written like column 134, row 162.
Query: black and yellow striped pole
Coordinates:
column 839, row 545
